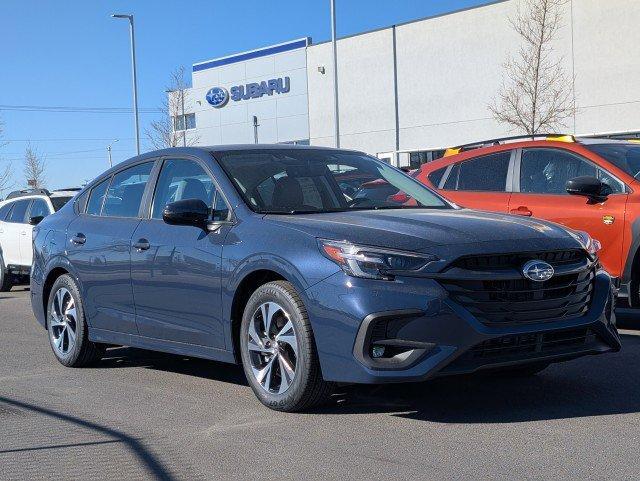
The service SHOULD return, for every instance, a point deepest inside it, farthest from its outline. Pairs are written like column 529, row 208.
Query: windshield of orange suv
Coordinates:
column 624, row 156
column 295, row 181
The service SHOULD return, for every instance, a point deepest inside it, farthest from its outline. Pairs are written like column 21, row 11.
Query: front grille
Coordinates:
column 525, row 345
column 513, row 299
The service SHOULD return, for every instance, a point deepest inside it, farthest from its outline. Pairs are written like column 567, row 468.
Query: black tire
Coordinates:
column 521, row 371
column 307, row 389
column 80, row 352
column 6, row 279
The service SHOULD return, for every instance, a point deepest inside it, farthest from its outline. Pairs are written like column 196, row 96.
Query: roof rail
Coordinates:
column 503, row 140
column 70, row 189
column 24, row 192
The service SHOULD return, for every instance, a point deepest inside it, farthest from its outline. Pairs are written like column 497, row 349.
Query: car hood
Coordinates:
column 420, row 229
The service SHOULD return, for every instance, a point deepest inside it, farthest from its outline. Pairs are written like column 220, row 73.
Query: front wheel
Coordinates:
column 278, row 350
column 67, row 326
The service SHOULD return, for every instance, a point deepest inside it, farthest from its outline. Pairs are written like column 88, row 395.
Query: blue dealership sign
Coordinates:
column 219, row 96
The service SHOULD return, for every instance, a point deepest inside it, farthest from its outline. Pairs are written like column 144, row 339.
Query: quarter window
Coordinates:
column 97, row 196
column 546, row 171
column 436, row 176
column 19, row 211
column 181, row 180
column 126, row 190
column 4, row 210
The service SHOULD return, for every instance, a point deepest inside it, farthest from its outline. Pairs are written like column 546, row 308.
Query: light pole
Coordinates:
column 135, row 81
column 109, row 151
column 336, row 113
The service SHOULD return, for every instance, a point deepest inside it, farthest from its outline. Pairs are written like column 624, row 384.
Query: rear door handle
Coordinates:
column 522, row 210
column 79, row 239
column 24, row 232
column 141, row 245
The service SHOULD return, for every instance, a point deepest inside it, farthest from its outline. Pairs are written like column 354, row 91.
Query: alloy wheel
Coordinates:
column 63, row 321
column 273, row 348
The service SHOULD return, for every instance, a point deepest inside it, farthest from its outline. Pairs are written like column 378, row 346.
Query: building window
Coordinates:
column 180, row 120
column 416, row 159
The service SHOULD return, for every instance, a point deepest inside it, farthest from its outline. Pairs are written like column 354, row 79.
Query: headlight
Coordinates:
column 372, row 262
column 591, row 245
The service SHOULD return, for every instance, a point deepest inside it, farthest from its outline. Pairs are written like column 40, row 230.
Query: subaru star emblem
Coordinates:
column 218, row 97
column 538, row 271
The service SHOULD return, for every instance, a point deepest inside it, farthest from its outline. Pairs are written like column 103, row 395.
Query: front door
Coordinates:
column 175, row 269
column 542, row 182
column 38, row 208
column 480, row 183
column 99, row 244
column 14, row 231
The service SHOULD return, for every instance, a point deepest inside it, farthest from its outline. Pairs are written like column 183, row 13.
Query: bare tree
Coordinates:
column 6, row 173
column 170, row 131
column 536, row 95
column 34, row 168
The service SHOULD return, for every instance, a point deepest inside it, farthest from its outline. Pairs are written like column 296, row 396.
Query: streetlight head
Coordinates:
column 121, row 15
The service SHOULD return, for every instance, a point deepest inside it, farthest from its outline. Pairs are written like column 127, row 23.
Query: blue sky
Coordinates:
column 72, row 54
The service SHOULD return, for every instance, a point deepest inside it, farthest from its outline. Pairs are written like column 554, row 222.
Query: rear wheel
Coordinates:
column 6, row 279
column 278, row 350
column 66, row 323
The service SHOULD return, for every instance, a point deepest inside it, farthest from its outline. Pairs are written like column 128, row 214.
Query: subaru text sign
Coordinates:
column 219, row 96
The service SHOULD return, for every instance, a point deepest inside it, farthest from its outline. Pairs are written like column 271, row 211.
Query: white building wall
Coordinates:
column 451, row 67
column 281, row 117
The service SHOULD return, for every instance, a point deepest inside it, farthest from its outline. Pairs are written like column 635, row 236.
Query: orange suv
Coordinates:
column 586, row 184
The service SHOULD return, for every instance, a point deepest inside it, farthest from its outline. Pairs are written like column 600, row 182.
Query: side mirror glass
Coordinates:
column 590, row 187
column 35, row 220
column 193, row 212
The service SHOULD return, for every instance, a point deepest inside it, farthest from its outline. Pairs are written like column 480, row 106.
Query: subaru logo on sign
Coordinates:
column 538, row 271
column 218, row 97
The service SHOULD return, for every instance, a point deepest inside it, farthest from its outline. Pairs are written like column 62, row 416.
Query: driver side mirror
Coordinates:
column 193, row 212
column 590, row 187
column 35, row 220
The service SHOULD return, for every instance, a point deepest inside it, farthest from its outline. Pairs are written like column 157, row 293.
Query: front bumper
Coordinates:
column 443, row 338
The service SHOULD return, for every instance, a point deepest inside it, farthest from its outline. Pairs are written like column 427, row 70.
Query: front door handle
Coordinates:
column 24, row 232
column 522, row 210
column 79, row 239
column 141, row 245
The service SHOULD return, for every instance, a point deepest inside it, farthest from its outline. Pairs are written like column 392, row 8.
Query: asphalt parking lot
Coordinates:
column 142, row 415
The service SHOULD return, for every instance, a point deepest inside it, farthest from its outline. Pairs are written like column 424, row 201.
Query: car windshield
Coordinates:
column 316, row 180
column 624, row 156
column 59, row 202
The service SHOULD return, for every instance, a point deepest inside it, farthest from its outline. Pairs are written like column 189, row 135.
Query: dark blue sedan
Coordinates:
column 260, row 255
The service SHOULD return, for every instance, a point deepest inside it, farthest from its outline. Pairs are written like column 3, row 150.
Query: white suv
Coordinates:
column 18, row 214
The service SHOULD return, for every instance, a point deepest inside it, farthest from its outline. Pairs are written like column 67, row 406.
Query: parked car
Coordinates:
column 254, row 254
column 530, row 178
column 20, row 211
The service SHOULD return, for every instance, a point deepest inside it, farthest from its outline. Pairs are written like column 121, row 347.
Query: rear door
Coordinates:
column 482, row 183
column 14, row 229
column 4, row 213
column 541, row 192
column 99, row 244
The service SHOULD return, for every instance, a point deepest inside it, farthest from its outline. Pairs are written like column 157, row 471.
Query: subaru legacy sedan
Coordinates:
column 260, row 255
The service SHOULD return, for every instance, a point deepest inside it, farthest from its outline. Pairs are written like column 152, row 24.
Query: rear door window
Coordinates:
column 96, row 199
column 124, row 196
column 19, row 211
column 485, row 174
column 39, row 208
column 436, row 176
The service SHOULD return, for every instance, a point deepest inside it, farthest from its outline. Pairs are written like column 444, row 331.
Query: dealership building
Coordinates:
column 408, row 91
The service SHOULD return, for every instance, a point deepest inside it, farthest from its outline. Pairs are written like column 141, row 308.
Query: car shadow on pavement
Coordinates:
column 153, row 466
column 122, row 357
column 590, row 386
